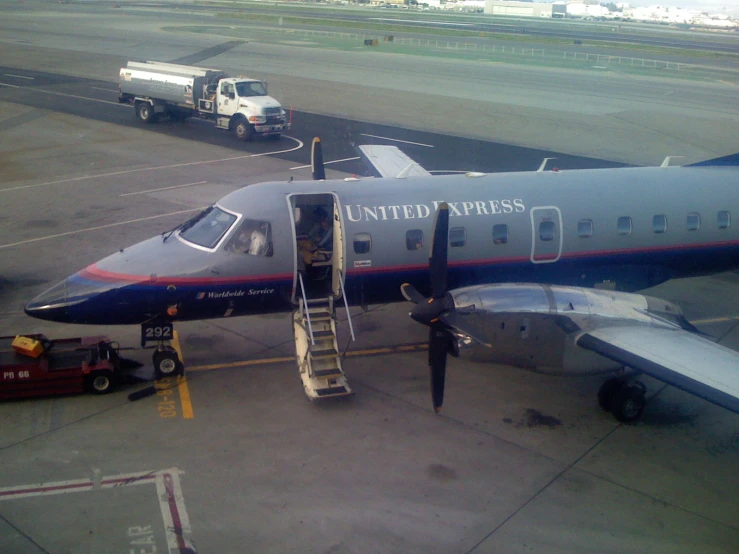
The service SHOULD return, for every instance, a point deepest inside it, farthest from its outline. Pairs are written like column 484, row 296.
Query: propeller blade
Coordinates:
column 439, row 250
column 410, row 293
column 438, row 348
column 316, row 160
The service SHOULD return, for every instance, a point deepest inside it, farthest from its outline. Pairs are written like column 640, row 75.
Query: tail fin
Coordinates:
column 730, row 160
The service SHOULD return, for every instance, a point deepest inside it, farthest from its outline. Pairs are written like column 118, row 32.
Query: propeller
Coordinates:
column 316, row 160
column 430, row 311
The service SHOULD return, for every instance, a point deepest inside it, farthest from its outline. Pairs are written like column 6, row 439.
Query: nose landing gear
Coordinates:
column 167, row 361
column 167, row 358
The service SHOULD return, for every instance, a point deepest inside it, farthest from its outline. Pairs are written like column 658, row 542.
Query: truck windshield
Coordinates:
column 209, row 229
column 251, row 88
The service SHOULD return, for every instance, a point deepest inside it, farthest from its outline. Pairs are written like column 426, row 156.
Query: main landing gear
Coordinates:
column 624, row 398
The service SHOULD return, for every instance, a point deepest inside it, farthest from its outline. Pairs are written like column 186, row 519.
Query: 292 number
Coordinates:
column 156, row 333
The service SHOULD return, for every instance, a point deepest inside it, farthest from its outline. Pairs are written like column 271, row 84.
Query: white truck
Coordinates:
column 237, row 104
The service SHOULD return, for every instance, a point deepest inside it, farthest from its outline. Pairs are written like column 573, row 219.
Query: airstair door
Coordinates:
column 546, row 234
column 338, row 257
column 319, row 244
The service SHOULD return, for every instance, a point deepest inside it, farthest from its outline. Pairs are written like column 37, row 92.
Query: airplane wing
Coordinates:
column 677, row 357
column 390, row 161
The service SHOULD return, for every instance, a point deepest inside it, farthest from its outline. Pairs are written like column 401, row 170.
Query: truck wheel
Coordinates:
column 166, row 364
column 145, row 112
column 243, row 130
column 101, row 382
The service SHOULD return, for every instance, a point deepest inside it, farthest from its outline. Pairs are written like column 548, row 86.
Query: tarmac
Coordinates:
column 235, row 459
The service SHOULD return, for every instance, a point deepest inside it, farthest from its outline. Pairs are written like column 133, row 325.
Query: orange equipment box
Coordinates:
column 28, row 346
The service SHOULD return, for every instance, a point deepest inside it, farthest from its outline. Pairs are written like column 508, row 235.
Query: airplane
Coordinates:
column 541, row 266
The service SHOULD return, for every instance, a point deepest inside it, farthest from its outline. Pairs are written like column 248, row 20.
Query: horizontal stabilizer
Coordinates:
column 677, row 357
column 730, row 160
column 390, row 161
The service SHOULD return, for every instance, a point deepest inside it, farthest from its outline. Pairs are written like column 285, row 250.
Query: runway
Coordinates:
column 241, row 462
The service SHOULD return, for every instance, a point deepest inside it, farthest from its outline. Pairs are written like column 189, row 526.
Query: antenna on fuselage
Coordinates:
column 316, row 160
column 544, row 164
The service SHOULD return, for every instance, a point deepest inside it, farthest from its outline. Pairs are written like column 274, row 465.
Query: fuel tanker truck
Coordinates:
column 237, row 104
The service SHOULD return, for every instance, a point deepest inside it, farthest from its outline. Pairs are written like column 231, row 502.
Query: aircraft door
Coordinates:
column 338, row 257
column 546, row 234
column 319, row 244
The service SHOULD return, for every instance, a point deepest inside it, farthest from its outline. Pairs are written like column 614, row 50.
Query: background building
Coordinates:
column 520, row 9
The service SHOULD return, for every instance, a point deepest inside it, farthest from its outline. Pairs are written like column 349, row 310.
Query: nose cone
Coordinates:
column 77, row 299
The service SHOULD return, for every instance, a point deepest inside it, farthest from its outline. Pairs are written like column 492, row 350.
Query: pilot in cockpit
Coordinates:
column 251, row 238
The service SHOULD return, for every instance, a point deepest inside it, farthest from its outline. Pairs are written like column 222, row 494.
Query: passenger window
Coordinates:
column 585, row 228
column 724, row 220
column 253, row 237
column 624, row 226
column 659, row 223
column 414, row 239
column 693, row 221
column 546, row 230
column 500, row 234
column 362, row 243
column 457, row 237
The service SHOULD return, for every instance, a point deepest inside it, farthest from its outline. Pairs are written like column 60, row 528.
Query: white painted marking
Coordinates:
column 19, row 76
column 156, row 168
column 76, row 485
column 164, row 188
column 105, row 89
column 49, row 237
column 398, row 140
column 76, row 96
column 172, row 504
column 9, row 85
column 392, row 19
column 327, row 163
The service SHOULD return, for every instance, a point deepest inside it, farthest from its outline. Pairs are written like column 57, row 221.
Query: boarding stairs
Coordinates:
column 317, row 348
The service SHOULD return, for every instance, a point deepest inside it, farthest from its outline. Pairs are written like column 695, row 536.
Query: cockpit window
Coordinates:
column 251, row 88
column 252, row 237
column 207, row 228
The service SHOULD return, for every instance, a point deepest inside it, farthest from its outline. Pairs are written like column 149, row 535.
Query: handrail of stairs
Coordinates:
column 346, row 304
column 305, row 307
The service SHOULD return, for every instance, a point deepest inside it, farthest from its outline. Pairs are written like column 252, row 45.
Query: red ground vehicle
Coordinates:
column 61, row 366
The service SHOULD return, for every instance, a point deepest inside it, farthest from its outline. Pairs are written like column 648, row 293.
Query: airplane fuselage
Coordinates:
column 625, row 229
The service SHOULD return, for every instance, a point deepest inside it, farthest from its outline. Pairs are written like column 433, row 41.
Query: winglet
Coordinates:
column 730, row 160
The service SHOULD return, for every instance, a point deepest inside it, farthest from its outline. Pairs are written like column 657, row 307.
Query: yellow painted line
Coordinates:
column 722, row 319
column 356, row 354
column 243, row 363
column 184, row 391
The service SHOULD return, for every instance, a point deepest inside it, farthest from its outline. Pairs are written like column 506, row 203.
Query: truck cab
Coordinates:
column 249, row 109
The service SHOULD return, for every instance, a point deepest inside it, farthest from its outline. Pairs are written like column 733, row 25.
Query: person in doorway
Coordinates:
column 319, row 243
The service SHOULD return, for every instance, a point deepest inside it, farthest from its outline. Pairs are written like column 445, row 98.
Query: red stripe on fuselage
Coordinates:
column 96, row 274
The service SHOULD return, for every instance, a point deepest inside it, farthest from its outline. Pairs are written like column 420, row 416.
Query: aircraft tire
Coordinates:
column 101, row 382
column 145, row 112
column 627, row 402
column 166, row 364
